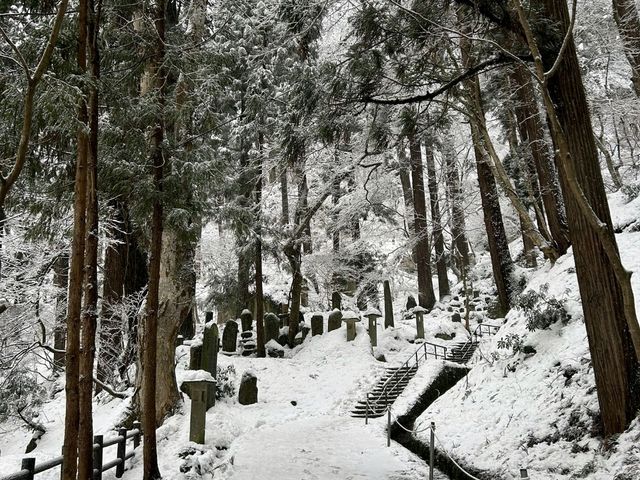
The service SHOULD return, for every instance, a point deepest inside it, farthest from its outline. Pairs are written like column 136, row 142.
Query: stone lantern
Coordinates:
column 350, row 318
column 373, row 314
column 419, row 313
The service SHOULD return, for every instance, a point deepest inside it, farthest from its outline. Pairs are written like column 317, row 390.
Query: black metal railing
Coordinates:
column 29, row 468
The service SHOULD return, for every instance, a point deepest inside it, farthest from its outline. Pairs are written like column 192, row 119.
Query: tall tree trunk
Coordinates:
column 61, row 282
column 436, row 220
column 89, row 314
column 426, row 295
column 154, row 79
column 607, row 298
column 284, row 196
column 258, row 253
column 176, row 297
column 294, row 251
column 72, row 355
column 501, row 262
column 625, row 13
column 531, row 131
column 458, row 227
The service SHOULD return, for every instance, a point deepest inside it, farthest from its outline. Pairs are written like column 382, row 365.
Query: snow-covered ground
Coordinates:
column 539, row 410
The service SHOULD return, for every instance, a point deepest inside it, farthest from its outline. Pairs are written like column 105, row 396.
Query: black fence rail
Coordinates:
column 29, row 468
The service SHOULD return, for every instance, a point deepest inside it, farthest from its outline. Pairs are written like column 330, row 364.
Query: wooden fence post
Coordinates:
column 122, row 451
column 97, row 457
column 432, row 449
column 29, row 464
column 136, row 438
column 62, row 463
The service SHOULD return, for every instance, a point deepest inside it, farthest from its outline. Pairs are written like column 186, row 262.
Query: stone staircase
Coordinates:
column 395, row 379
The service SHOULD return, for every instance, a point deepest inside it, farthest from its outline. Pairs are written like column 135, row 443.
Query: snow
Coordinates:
column 537, row 411
column 195, row 376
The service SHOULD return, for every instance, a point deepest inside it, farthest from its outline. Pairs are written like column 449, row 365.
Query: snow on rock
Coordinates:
column 195, row 376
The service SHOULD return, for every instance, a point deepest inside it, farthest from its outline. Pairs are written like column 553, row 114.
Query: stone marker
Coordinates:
column 372, row 314
column 197, row 391
column 208, row 316
column 246, row 318
column 335, row 320
column 456, row 318
column 411, row 302
column 230, row 336
column 195, row 357
column 388, row 306
column 419, row 312
column 284, row 319
column 209, row 360
column 271, row 327
column 248, row 393
column 317, row 324
column 350, row 318
column 336, row 300
column 274, row 349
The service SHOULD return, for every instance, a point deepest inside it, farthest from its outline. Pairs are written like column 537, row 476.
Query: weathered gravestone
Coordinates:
column 335, row 320
column 246, row 318
column 209, row 361
column 373, row 314
column 317, row 324
column 336, row 301
column 456, row 317
column 248, row 393
column 195, row 356
column 271, row 327
column 230, row 336
column 419, row 312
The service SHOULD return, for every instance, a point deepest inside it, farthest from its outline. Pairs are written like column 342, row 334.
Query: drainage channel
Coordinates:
column 447, row 378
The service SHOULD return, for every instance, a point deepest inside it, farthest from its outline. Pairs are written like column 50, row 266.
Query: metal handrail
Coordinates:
column 410, row 363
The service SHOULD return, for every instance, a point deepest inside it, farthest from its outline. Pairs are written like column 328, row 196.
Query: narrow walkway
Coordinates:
column 323, row 448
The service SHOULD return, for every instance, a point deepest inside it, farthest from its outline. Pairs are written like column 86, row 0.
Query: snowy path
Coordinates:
column 322, row 448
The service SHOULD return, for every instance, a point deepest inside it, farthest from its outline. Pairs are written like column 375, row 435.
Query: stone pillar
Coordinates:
column 335, row 320
column 351, row 329
column 419, row 324
column 271, row 327
column 198, row 418
column 246, row 318
column 248, row 392
column 373, row 329
column 336, row 301
column 388, row 306
column 230, row 336
column 195, row 357
column 210, row 358
column 317, row 324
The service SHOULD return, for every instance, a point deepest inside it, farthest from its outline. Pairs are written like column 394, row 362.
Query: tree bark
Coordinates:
column 426, row 295
column 72, row 351
column 501, row 262
column 458, row 227
column 154, row 79
column 284, row 196
column 531, row 131
column 605, row 289
column 176, row 297
column 89, row 314
column 626, row 16
column 258, row 254
column 436, row 221
column 604, row 301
